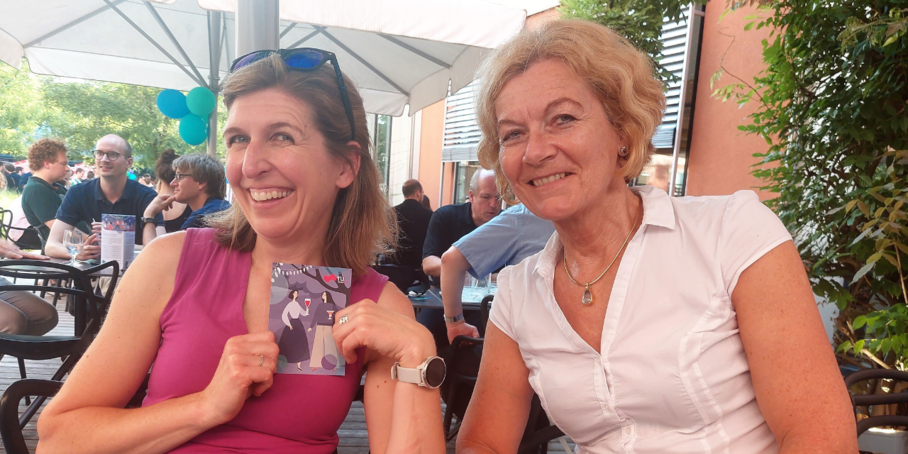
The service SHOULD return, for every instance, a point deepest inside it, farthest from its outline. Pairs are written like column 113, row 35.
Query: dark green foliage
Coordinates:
column 832, row 107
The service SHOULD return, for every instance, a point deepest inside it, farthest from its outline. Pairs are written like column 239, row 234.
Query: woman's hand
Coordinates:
column 241, row 373
column 9, row 250
column 384, row 331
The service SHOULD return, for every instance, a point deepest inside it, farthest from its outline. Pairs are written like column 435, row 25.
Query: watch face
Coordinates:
column 435, row 372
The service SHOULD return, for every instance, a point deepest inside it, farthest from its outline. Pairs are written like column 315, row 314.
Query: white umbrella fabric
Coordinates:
column 399, row 52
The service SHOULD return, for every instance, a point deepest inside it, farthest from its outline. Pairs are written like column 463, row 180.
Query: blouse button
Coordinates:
column 627, row 430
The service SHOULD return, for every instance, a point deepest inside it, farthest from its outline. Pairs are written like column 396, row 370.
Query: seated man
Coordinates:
column 78, row 176
column 112, row 193
column 43, row 195
column 507, row 239
column 450, row 223
column 199, row 183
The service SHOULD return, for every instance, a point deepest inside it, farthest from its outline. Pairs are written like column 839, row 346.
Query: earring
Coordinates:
column 622, row 151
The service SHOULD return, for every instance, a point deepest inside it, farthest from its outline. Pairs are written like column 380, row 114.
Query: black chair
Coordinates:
column 484, row 314
column 30, row 238
column 463, row 368
column 539, row 432
column 10, row 429
column 878, row 399
column 91, row 307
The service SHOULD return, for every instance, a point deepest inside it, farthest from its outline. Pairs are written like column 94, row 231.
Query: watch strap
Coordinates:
column 148, row 220
column 407, row 375
column 454, row 319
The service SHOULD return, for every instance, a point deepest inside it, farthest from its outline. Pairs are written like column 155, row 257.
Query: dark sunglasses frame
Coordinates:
column 286, row 54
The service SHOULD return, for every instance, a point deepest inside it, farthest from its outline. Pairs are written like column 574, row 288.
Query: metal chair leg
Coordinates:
column 22, row 375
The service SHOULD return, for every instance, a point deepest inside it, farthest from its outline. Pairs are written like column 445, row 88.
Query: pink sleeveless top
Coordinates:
column 299, row 414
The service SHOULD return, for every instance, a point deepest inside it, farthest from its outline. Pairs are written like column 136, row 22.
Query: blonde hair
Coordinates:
column 362, row 223
column 620, row 76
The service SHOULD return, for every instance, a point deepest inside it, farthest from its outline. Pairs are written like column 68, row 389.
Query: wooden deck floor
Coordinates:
column 352, row 433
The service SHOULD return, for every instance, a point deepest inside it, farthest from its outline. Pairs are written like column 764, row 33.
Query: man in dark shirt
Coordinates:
column 449, row 223
column 412, row 222
column 42, row 196
column 112, row 193
column 200, row 183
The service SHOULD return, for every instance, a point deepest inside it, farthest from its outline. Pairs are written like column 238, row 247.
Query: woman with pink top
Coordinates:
column 194, row 306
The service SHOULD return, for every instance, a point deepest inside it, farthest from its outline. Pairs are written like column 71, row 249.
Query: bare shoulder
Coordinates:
column 391, row 298
column 154, row 270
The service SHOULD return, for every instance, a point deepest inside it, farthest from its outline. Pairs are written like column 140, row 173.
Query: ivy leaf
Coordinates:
column 858, row 346
column 859, row 322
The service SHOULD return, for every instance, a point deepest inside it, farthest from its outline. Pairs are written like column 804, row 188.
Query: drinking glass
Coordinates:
column 73, row 240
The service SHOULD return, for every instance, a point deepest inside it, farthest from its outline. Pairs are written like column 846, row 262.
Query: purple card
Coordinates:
column 304, row 300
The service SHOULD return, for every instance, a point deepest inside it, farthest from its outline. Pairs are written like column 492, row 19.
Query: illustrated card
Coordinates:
column 304, row 300
column 118, row 238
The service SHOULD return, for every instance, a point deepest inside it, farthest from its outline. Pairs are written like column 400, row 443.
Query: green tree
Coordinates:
column 21, row 110
column 832, row 109
column 85, row 111
column 639, row 21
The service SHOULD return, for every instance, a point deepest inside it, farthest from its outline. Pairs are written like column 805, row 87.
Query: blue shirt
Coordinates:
column 86, row 202
column 211, row 206
column 507, row 239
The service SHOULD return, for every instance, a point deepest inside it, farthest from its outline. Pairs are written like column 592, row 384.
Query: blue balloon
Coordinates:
column 201, row 101
column 172, row 104
column 193, row 129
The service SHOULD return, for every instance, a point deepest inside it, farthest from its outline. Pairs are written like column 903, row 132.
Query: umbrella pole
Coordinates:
column 214, row 55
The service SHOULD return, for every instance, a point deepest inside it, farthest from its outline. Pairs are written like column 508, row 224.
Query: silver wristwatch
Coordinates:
column 454, row 319
column 429, row 374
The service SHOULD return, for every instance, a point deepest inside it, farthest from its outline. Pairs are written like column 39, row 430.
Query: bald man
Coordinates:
column 112, row 193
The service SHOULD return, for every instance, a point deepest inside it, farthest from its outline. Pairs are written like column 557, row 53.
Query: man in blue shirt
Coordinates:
column 112, row 193
column 200, row 183
column 507, row 239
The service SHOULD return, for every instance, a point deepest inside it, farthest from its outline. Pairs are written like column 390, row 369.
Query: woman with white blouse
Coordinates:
column 648, row 324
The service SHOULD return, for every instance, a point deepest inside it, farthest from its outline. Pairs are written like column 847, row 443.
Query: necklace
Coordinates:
column 587, row 298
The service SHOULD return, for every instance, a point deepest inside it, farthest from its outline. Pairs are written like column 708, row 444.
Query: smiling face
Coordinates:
column 282, row 175
column 118, row 167
column 559, row 151
column 186, row 189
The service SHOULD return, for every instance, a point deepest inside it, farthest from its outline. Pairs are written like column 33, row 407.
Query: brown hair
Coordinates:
column 618, row 74
column 204, row 169
column 362, row 223
column 164, row 166
column 44, row 150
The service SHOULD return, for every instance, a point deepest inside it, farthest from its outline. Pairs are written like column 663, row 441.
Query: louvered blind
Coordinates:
column 461, row 135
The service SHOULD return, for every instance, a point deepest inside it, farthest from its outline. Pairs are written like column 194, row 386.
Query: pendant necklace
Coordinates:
column 587, row 298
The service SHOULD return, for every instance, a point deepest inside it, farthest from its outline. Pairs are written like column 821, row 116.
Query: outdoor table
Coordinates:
column 472, row 297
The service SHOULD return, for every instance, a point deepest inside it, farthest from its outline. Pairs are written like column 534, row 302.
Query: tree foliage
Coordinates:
column 832, row 108
column 81, row 112
column 639, row 21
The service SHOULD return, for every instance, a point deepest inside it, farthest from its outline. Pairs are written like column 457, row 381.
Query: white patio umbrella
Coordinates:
column 399, row 52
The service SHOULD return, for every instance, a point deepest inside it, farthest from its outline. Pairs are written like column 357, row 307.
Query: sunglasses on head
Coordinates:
column 303, row 59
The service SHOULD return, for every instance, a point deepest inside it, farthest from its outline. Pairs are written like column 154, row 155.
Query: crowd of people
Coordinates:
column 644, row 323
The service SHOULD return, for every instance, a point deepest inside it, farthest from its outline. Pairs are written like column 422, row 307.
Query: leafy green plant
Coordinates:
column 832, row 109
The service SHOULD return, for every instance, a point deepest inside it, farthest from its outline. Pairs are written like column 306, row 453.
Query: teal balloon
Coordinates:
column 193, row 129
column 201, row 101
column 172, row 104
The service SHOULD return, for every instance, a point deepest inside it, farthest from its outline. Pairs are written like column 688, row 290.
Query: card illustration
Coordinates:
column 304, row 300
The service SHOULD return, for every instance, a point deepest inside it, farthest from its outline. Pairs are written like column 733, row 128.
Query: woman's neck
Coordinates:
column 591, row 239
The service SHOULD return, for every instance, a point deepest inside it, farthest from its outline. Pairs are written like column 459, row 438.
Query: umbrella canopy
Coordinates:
column 399, row 52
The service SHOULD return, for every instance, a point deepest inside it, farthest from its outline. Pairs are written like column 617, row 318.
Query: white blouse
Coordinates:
column 672, row 376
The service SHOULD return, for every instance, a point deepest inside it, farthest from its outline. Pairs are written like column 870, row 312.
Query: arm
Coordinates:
column 285, row 316
column 149, row 233
column 500, row 406
column 55, row 248
column 88, row 415
column 797, row 383
column 431, row 265
column 9, row 250
column 50, row 223
column 454, row 267
column 400, row 417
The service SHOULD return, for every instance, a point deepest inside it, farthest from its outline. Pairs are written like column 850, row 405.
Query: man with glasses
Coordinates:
column 42, row 195
column 200, row 183
column 112, row 193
